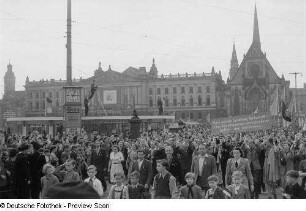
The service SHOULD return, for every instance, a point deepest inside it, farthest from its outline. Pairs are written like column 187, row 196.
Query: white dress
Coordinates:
column 116, row 166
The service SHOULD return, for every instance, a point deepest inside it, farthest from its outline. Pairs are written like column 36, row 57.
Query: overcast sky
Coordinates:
column 182, row 35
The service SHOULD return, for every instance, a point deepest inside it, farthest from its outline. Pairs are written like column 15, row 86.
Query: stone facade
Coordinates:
column 254, row 84
column 188, row 96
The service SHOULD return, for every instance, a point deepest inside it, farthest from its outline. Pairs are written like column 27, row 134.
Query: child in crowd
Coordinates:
column 164, row 184
column 136, row 190
column 215, row 192
column 237, row 189
column 93, row 181
column 48, row 180
column 292, row 189
column 68, row 175
column 119, row 190
column 190, row 190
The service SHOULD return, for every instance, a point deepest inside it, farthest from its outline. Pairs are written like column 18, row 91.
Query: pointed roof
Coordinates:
column 256, row 37
column 234, row 54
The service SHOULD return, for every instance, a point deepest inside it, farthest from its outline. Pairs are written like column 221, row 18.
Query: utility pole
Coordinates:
column 295, row 93
column 68, row 45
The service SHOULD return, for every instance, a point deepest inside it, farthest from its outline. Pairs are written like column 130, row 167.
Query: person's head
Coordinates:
column 48, row 169
column 115, row 149
column 66, row 148
column 25, row 148
column 168, row 150
column 119, row 178
column 292, row 177
column 140, row 154
column 212, row 181
column 237, row 153
column 202, row 149
column 13, row 153
column 53, row 149
column 190, row 178
column 97, row 143
column 92, row 171
column 70, row 164
column 134, row 177
column 47, row 152
column 162, row 166
column 237, row 177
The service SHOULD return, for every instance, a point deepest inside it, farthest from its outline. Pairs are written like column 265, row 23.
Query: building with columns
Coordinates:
column 187, row 96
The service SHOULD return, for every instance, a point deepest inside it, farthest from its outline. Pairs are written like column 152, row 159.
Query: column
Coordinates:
column 51, row 130
column 24, row 129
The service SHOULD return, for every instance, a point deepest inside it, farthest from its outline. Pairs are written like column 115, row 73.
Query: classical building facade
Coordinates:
column 253, row 86
column 197, row 97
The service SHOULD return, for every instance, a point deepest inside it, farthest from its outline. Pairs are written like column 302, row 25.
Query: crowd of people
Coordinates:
column 190, row 163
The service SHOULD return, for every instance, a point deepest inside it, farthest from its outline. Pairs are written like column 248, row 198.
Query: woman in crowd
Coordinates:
column 115, row 163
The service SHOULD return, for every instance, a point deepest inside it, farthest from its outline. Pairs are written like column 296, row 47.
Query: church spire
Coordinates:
column 256, row 38
column 234, row 63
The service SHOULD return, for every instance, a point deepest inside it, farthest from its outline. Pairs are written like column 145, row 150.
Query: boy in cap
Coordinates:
column 67, row 175
column 93, row 181
column 190, row 190
column 292, row 189
column 237, row 189
column 215, row 192
column 136, row 190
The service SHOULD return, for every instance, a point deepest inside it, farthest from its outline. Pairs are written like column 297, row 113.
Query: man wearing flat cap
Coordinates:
column 23, row 176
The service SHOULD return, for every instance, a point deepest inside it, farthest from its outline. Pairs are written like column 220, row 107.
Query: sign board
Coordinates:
column 242, row 123
column 109, row 97
column 72, row 116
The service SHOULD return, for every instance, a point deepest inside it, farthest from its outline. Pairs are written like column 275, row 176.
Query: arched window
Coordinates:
column 151, row 102
column 30, row 106
column 57, row 103
column 208, row 100
column 43, row 104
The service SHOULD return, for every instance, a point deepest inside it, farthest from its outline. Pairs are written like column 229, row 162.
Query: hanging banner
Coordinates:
column 242, row 123
column 109, row 97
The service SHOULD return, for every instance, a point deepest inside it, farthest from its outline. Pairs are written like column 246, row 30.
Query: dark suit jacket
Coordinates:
column 99, row 159
column 176, row 170
column 146, row 173
column 22, row 167
column 209, row 168
column 36, row 161
column 195, row 189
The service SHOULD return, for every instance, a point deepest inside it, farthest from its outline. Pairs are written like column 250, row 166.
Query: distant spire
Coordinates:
column 234, row 54
column 109, row 67
column 234, row 63
column 153, row 60
column 256, row 38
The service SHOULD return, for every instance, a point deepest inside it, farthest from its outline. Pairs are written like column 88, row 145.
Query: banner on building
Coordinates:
column 109, row 97
column 242, row 123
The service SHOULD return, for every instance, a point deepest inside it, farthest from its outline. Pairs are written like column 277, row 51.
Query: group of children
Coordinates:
column 164, row 185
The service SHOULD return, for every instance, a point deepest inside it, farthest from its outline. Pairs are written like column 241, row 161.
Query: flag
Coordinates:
column 274, row 105
column 285, row 113
column 256, row 111
column 48, row 105
column 208, row 117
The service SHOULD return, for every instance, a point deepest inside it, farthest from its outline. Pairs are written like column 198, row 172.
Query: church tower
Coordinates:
column 234, row 63
column 9, row 80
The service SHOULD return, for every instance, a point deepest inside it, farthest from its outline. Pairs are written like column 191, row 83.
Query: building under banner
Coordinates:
column 99, row 124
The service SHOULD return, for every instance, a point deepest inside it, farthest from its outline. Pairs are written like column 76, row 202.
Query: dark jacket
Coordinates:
column 146, row 174
column 22, row 167
column 36, row 162
column 176, row 170
column 99, row 159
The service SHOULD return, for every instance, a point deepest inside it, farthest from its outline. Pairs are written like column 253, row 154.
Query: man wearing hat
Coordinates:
column 23, row 176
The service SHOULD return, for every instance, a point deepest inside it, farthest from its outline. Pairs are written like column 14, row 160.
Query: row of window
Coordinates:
column 183, row 101
column 174, row 90
column 191, row 115
column 44, row 95
column 36, row 105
